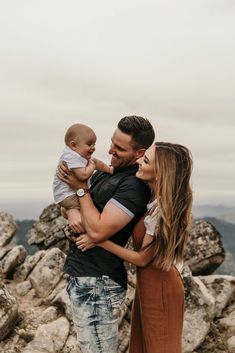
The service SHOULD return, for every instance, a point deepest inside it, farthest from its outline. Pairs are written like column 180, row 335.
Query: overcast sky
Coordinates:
column 94, row 62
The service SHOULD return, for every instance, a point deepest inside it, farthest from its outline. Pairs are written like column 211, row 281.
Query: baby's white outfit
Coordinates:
column 73, row 159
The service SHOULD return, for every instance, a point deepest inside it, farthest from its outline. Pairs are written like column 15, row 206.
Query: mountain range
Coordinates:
column 219, row 211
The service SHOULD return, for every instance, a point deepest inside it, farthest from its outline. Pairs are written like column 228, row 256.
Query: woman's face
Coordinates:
column 146, row 163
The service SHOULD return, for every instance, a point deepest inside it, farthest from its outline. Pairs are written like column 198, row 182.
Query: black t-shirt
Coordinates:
column 130, row 194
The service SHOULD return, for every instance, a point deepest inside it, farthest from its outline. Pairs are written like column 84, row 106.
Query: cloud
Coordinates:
column 95, row 62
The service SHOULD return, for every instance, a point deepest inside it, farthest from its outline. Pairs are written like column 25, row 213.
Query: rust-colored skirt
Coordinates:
column 157, row 313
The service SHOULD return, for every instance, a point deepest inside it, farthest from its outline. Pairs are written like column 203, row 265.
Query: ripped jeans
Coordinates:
column 95, row 303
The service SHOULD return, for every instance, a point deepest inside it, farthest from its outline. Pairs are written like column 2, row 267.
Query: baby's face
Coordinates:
column 86, row 145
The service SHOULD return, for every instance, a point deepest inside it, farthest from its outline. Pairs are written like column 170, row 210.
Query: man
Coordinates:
column 110, row 209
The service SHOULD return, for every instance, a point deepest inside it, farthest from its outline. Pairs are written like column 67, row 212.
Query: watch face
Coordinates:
column 80, row 192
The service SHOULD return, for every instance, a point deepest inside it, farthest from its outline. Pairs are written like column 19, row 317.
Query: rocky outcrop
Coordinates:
column 48, row 272
column 49, row 338
column 7, row 228
column 12, row 260
column 204, row 251
column 37, row 295
column 8, row 312
column 48, row 231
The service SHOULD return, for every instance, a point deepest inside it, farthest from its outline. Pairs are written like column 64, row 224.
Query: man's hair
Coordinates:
column 139, row 128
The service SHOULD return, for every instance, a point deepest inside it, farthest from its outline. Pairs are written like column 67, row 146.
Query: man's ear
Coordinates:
column 140, row 153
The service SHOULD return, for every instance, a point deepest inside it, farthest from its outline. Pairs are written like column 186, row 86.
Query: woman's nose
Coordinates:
column 111, row 149
column 139, row 160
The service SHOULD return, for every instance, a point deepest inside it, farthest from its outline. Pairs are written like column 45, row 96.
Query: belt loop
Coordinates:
column 105, row 277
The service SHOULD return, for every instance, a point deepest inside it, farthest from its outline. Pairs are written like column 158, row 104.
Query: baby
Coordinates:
column 80, row 145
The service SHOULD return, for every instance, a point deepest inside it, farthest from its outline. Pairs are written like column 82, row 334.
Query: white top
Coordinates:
column 151, row 225
column 73, row 159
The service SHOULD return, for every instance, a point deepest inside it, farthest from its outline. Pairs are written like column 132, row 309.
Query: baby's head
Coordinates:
column 81, row 139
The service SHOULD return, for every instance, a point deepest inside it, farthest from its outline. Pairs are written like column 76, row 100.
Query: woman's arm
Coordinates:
column 141, row 258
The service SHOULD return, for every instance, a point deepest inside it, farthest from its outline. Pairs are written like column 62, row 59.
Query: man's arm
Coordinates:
column 139, row 258
column 101, row 226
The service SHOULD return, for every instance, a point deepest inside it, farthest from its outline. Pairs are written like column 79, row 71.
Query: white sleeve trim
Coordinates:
column 123, row 208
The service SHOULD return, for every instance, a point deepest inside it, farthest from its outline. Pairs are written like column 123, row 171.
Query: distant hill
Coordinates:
column 20, row 238
column 220, row 212
column 227, row 231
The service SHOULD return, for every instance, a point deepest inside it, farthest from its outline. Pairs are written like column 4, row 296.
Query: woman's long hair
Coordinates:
column 173, row 166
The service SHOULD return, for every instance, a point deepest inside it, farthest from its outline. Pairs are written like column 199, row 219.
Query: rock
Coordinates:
column 124, row 335
column 48, row 272
column 23, row 288
column 231, row 342
column 50, row 314
column 61, row 301
column 25, row 335
column 204, row 251
column 47, row 234
column 50, row 213
column 30, row 262
column 199, row 311
column 228, row 322
column 49, row 338
column 7, row 228
column 71, row 346
column 13, row 259
column 5, row 250
column 222, row 288
column 124, row 310
column 8, row 312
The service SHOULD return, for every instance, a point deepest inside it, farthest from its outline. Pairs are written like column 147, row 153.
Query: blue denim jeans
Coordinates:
column 95, row 303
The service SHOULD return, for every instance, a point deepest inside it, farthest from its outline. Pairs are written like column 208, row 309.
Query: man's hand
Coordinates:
column 75, row 220
column 84, row 242
column 68, row 177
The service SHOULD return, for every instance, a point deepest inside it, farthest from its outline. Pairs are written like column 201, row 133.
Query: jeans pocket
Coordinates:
column 69, row 283
column 115, row 295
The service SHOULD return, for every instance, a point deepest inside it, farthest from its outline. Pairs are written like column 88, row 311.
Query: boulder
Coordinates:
column 71, row 346
column 199, row 312
column 204, row 252
column 13, row 259
column 8, row 312
column 49, row 338
column 7, row 228
column 48, row 272
column 222, row 288
column 30, row 262
column 48, row 231
column 4, row 250
column 61, row 301
column 50, row 314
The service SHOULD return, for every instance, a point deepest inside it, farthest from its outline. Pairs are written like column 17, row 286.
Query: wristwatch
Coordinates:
column 82, row 192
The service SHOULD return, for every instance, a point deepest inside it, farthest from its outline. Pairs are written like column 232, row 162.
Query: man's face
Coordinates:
column 122, row 150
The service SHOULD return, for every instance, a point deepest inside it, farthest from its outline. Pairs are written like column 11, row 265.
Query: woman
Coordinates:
column 157, row 315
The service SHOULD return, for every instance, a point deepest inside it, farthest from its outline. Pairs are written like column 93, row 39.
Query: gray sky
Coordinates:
column 94, row 62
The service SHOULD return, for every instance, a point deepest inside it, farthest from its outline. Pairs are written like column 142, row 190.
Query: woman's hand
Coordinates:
column 68, row 177
column 84, row 243
column 75, row 220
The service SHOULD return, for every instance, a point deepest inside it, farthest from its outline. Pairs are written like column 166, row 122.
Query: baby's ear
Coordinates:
column 72, row 144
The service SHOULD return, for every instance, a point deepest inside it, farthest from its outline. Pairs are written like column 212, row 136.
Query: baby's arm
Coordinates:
column 84, row 173
column 99, row 165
